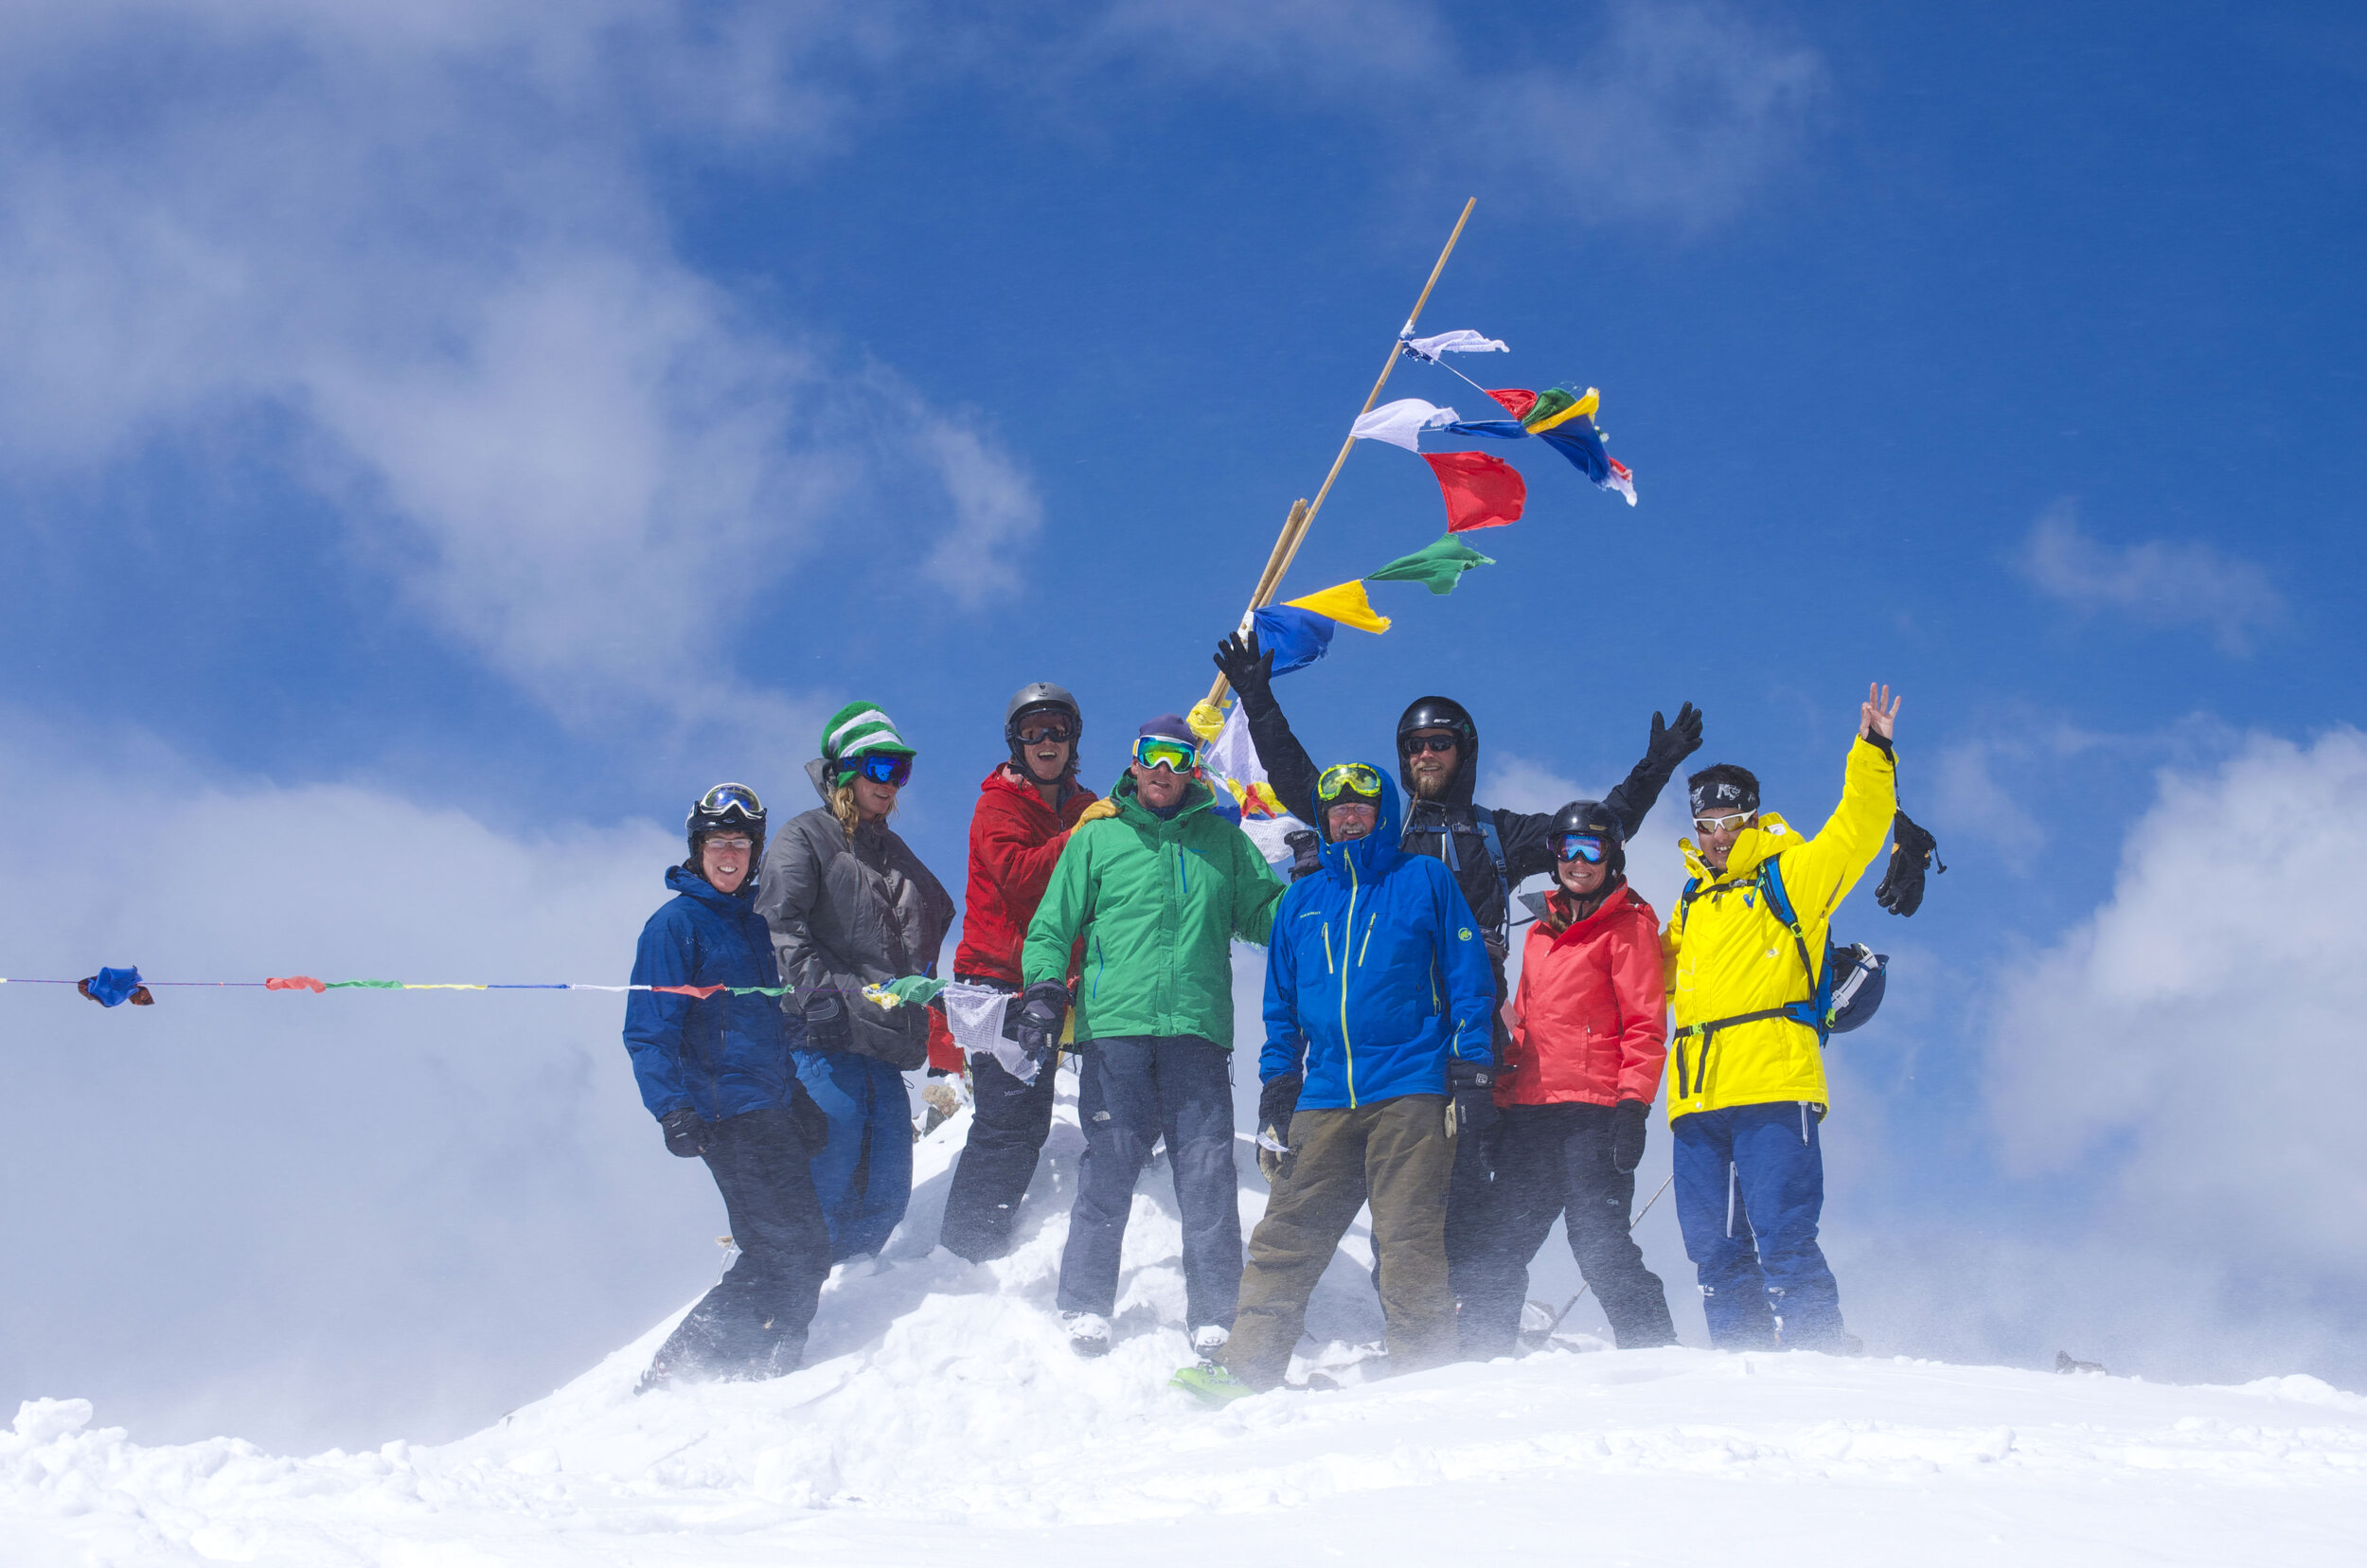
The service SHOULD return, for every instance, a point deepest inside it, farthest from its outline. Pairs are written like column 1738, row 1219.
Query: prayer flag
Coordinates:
column 1583, row 407
column 1583, row 444
column 1621, row 480
column 1549, row 403
column 1480, row 492
column 1437, row 566
column 1401, row 423
column 1495, row 430
column 1296, row 638
column 1517, row 401
column 1345, row 603
column 1461, row 341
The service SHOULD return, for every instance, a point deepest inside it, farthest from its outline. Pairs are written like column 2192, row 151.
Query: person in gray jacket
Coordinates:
column 850, row 905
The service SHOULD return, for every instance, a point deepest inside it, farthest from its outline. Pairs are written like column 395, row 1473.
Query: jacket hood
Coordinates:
column 1771, row 837
column 1466, row 777
column 1197, row 797
column 1376, row 850
column 683, row 880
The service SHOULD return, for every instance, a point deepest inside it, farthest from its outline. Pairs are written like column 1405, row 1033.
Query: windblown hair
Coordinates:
column 843, row 808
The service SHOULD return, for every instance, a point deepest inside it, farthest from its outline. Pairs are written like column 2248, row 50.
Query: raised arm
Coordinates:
column 1669, row 745
column 1289, row 769
column 1820, row 873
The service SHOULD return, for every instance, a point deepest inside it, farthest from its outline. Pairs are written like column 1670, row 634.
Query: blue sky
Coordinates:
column 478, row 422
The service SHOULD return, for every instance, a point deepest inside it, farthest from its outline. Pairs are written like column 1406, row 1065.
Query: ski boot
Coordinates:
column 1211, row 1384
column 1088, row 1333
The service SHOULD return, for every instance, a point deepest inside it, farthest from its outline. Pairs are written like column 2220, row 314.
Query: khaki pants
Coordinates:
column 1396, row 1154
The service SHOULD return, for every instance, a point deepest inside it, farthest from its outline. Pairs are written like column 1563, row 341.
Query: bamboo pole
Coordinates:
column 1286, row 546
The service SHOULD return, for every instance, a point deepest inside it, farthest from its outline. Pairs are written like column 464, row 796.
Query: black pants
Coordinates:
column 1006, row 1135
column 754, row 1322
column 1553, row 1161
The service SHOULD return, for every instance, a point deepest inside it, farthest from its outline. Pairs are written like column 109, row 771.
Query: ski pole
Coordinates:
column 1632, row 1224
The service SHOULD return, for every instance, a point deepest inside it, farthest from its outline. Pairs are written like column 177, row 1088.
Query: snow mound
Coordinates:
column 942, row 1417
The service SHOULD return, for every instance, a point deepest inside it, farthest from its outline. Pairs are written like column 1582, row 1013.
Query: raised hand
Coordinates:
column 1879, row 713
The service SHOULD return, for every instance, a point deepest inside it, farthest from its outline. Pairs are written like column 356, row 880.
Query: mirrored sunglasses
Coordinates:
column 1732, row 824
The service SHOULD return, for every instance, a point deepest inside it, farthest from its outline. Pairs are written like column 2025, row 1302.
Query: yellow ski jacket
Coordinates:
column 1728, row 954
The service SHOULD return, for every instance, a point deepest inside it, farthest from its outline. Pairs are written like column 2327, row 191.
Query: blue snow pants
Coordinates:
column 865, row 1174
column 1750, row 1189
column 1134, row 1090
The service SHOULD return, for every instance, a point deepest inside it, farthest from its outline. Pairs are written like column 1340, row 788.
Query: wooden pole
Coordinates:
column 1286, row 546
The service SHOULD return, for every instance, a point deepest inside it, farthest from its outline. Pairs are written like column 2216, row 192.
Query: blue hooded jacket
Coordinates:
column 1376, row 974
column 720, row 1055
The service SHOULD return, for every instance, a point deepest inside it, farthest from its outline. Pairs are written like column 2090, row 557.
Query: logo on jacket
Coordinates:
column 1465, row 934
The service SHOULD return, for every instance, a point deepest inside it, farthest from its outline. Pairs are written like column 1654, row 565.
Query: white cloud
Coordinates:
column 2162, row 582
column 2200, row 1034
column 426, row 241
column 335, row 1218
column 1672, row 111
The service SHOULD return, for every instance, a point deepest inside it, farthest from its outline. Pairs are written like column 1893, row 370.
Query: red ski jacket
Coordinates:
column 1015, row 841
column 1590, row 1017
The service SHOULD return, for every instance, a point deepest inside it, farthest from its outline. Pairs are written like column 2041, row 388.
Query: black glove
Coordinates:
column 1041, row 1007
column 686, row 1135
column 827, row 1028
column 1277, row 1102
column 1672, row 743
column 1250, row 670
column 1473, row 1088
column 1628, row 1119
column 1911, row 849
column 1306, row 852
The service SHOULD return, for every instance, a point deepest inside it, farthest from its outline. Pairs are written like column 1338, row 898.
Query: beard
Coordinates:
column 1432, row 786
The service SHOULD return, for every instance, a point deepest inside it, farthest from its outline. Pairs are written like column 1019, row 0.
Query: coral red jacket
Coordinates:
column 1589, row 1017
column 1015, row 840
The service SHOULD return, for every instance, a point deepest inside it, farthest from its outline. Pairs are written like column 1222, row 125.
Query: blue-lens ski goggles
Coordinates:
column 1157, row 751
column 887, row 768
column 1585, row 847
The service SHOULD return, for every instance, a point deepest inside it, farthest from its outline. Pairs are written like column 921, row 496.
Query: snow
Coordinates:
column 942, row 1417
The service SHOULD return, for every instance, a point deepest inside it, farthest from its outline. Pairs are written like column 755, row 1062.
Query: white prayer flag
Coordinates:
column 1401, row 423
column 1461, row 341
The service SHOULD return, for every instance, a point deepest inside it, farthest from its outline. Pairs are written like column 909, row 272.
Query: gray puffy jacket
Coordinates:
column 846, row 913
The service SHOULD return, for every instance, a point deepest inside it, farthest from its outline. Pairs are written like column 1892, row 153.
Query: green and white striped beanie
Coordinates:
column 858, row 728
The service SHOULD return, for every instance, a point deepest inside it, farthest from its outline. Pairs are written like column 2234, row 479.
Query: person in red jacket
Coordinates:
column 1026, row 809
column 1589, row 1035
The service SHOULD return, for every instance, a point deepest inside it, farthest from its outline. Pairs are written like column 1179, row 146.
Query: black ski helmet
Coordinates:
column 1447, row 713
column 726, row 808
column 1040, row 697
column 1593, row 816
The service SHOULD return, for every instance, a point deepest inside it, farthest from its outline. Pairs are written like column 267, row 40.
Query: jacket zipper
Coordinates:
column 1370, row 920
column 1347, row 1047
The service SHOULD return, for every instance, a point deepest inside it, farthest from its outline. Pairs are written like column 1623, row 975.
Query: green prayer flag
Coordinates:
column 1440, row 566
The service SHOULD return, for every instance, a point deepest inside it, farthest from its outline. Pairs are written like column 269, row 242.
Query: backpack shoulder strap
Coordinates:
column 1770, row 881
column 1486, row 820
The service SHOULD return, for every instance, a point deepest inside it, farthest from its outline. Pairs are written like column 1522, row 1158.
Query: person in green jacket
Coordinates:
column 1159, row 886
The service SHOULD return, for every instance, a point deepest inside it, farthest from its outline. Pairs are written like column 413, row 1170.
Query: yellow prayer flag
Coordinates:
column 1586, row 405
column 1345, row 603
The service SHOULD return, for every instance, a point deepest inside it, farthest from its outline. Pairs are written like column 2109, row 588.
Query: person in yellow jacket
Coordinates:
column 1746, row 1069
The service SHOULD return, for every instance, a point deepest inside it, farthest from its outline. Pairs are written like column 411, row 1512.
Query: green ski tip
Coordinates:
column 1211, row 1384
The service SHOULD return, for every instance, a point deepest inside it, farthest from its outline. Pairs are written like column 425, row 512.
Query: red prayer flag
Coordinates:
column 295, row 982
column 1482, row 491
column 1516, row 401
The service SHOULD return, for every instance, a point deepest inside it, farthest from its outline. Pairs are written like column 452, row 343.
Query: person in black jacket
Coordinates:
column 1491, row 852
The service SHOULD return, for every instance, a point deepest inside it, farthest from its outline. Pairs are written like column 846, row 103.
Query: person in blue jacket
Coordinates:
column 1380, row 995
column 714, row 1068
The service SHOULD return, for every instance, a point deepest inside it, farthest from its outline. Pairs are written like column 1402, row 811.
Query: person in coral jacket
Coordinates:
column 1026, row 809
column 1589, row 1038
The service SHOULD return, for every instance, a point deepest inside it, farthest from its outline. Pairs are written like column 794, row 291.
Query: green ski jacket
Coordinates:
column 1159, row 903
